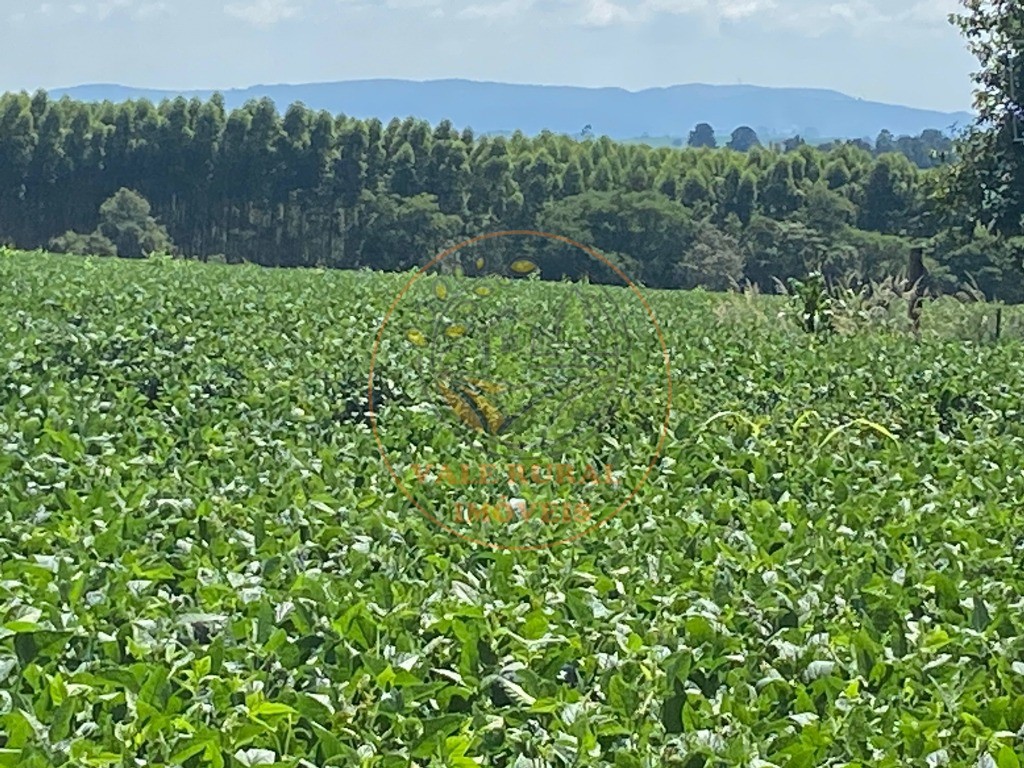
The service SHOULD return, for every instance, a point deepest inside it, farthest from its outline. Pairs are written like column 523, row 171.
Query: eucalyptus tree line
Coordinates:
column 309, row 188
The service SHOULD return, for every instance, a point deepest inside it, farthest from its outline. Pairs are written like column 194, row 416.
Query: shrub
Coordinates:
column 126, row 229
column 125, row 219
column 91, row 244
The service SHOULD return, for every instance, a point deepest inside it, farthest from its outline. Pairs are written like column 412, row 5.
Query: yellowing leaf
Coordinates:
column 416, row 337
column 472, row 408
column 486, row 386
column 480, row 263
column 489, row 416
column 462, row 407
column 483, row 291
column 440, row 291
column 455, row 331
column 522, row 266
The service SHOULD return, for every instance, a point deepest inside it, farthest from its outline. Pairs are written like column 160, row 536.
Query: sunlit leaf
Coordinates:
column 416, row 337
column 522, row 266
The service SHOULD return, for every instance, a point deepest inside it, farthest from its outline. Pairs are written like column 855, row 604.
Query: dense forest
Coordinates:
column 313, row 189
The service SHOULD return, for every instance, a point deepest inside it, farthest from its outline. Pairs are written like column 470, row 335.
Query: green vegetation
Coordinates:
column 313, row 189
column 203, row 561
column 988, row 181
column 126, row 229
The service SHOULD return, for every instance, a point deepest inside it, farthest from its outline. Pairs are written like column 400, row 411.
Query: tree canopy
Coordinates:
column 986, row 185
column 702, row 136
column 307, row 188
column 743, row 139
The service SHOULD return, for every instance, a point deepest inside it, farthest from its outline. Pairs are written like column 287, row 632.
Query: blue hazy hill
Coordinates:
column 615, row 112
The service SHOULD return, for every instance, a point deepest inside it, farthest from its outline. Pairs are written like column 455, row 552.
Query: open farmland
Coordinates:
column 204, row 562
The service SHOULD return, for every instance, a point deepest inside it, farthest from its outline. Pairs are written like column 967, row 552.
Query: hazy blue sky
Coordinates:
column 900, row 51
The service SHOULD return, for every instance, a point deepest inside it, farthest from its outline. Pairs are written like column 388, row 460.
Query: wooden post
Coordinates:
column 915, row 284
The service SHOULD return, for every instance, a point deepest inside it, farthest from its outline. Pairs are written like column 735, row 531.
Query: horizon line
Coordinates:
column 621, row 89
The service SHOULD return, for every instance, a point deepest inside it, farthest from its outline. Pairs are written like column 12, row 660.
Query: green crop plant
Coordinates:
column 204, row 562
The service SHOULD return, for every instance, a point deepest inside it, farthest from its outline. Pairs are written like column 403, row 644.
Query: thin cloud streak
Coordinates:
column 263, row 13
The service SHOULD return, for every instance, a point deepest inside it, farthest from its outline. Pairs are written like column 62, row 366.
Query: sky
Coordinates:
column 895, row 51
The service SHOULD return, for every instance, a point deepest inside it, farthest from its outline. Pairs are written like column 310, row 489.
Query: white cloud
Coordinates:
column 148, row 10
column 935, row 12
column 604, row 13
column 808, row 16
column 263, row 13
column 504, row 9
column 104, row 9
column 677, row 6
column 740, row 9
column 407, row 4
column 869, row 17
column 812, row 17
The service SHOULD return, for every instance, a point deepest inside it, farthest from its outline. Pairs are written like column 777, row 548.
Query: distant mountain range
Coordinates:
column 620, row 114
